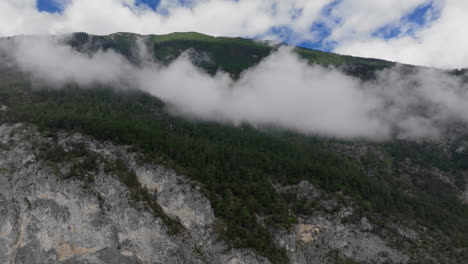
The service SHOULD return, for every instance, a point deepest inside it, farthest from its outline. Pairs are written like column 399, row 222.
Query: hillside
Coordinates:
column 232, row 55
column 281, row 196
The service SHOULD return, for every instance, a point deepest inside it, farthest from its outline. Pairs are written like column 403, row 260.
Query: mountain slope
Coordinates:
column 269, row 190
column 232, row 55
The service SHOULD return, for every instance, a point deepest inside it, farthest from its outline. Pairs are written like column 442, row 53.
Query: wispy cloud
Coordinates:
column 439, row 43
column 282, row 91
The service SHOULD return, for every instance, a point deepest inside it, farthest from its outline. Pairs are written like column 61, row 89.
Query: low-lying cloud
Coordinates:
column 282, row 91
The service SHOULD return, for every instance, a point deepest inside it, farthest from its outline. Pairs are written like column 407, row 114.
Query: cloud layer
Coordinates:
column 349, row 24
column 282, row 91
column 442, row 43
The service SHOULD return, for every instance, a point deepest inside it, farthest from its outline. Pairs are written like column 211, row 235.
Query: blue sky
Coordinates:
column 52, row 6
column 407, row 25
column 419, row 17
column 48, row 6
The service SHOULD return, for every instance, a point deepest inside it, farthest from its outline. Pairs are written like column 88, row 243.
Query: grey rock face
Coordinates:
column 47, row 216
column 47, row 219
column 316, row 236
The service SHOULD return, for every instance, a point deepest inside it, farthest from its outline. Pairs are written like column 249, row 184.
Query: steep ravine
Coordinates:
column 56, row 210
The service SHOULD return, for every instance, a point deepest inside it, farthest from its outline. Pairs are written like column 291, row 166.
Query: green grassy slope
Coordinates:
column 314, row 56
column 232, row 55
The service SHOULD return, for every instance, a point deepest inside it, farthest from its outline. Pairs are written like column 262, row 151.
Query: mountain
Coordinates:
column 232, row 55
column 103, row 175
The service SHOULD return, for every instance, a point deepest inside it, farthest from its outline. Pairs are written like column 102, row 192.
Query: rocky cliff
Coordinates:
column 49, row 218
column 54, row 209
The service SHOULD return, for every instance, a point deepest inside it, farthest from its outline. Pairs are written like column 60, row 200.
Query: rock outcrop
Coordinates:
column 46, row 218
column 54, row 211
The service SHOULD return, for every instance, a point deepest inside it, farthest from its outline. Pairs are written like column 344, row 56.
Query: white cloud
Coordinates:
column 442, row 44
column 215, row 17
column 282, row 90
column 351, row 22
column 49, row 63
column 360, row 18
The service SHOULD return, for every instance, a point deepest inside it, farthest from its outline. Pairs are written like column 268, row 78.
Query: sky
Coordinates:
column 420, row 32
